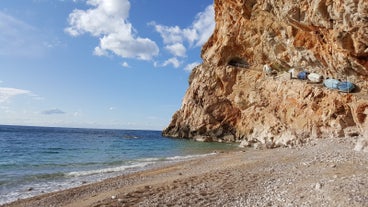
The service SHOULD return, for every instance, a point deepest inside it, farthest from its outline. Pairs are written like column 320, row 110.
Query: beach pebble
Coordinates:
column 113, row 197
column 257, row 146
column 318, row 186
column 244, row 144
column 362, row 145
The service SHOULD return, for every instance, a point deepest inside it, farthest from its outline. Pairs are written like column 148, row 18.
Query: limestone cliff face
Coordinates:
column 231, row 99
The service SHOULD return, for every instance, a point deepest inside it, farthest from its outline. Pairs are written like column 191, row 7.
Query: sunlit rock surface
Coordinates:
column 230, row 98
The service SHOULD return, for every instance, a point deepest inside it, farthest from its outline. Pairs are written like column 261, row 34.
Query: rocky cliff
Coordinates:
column 230, row 98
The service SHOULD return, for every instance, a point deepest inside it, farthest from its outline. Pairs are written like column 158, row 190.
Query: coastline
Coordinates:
column 80, row 178
column 322, row 172
column 39, row 160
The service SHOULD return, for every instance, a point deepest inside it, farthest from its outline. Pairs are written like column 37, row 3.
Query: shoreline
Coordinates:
column 323, row 172
column 80, row 178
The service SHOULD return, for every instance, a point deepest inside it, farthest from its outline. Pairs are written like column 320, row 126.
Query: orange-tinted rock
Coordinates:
column 229, row 97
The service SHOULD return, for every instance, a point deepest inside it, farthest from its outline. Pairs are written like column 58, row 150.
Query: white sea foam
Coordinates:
column 188, row 157
column 107, row 170
column 77, row 178
column 140, row 164
column 173, row 158
column 151, row 159
column 74, row 179
column 34, row 189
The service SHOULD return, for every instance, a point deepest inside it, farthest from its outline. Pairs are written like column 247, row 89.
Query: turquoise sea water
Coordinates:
column 35, row 160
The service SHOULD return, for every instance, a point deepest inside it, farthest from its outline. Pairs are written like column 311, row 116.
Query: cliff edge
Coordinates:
column 231, row 99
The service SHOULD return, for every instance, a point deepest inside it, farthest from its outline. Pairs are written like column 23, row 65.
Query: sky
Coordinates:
column 121, row 64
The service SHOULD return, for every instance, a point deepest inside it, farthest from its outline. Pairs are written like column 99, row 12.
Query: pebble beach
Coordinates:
column 323, row 172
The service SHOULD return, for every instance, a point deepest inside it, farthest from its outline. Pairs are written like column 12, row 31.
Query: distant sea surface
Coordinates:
column 36, row 160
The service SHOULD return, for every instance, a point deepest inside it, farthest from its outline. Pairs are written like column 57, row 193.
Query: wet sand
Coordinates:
column 326, row 172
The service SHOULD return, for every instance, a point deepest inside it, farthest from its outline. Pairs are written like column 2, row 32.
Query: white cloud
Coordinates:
column 52, row 112
column 108, row 20
column 7, row 93
column 139, row 48
column 204, row 26
column 170, row 35
column 179, row 40
column 53, row 44
column 125, row 65
column 106, row 17
column 172, row 61
column 190, row 66
column 197, row 34
column 177, row 49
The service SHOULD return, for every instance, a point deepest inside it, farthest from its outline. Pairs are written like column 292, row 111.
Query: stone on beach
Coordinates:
column 362, row 144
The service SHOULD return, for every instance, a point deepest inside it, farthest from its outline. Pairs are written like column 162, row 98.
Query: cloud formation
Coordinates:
column 195, row 35
column 7, row 93
column 177, row 49
column 108, row 20
column 204, row 25
column 172, row 61
column 52, row 112
column 125, row 65
column 191, row 66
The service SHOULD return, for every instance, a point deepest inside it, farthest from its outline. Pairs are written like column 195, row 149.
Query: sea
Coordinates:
column 37, row 160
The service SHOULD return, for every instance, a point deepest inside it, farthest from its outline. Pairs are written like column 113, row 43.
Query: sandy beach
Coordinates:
column 325, row 172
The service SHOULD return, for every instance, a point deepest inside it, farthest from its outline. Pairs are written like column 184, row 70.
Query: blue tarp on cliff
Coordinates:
column 303, row 75
column 345, row 86
column 331, row 83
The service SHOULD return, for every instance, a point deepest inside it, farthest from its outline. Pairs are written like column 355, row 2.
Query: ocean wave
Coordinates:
column 151, row 159
column 173, row 158
column 186, row 157
column 140, row 163
column 107, row 170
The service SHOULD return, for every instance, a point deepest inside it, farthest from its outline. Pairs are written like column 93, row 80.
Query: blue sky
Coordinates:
column 98, row 63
